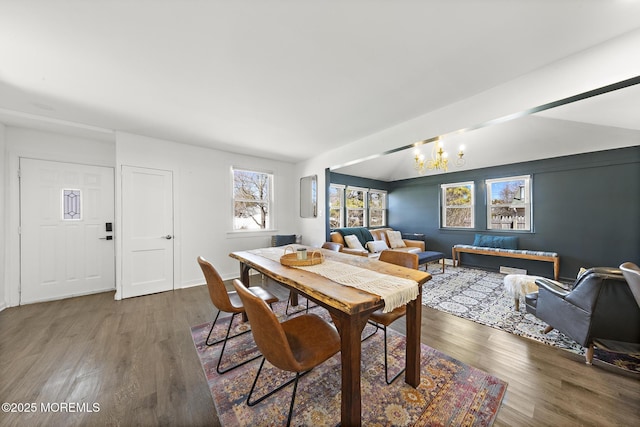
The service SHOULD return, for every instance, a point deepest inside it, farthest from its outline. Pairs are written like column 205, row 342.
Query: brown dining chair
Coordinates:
column 296, row 345
column 333, row 246
column 381, row 320
column 229, row 302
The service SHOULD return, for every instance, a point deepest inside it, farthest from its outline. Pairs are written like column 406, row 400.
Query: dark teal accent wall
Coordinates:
column 356, row 181
column 585, row 207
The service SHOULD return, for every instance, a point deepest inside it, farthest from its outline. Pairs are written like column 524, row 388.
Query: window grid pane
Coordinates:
column 355, row 202
column 356, row 207
column 336, row 217
column 377, row 208
column 355, row 218
column 457, row 205
column 252, row 200
column 71, row 205
column 510, row 203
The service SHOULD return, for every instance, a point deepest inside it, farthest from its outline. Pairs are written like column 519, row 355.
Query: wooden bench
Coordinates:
column 508, row 253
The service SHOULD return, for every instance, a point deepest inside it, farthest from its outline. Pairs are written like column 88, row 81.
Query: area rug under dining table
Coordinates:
column 450, row 392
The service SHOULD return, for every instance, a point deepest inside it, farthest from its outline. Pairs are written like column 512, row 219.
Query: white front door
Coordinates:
column 147, row 228
column 64, row 212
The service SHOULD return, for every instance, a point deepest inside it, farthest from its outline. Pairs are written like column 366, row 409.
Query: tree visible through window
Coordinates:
column 336, row 203
column 377, row 208
column 355, row 202
column 251, row 200
column 357, row 207
column 457, row 205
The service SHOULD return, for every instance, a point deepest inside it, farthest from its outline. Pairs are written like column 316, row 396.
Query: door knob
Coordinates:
column 168, row 237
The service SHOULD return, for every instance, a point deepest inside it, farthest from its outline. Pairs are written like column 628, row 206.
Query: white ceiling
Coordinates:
column 279, row 79
column 606, row 121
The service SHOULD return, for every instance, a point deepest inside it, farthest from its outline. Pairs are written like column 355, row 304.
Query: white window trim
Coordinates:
column 271, row 226
column 364, row 209
column 443, row 203
column 341, row 190
column 384, row 207
column 527, row 204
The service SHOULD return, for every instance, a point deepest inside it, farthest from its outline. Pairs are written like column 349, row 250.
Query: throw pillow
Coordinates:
column 510, row 242
column 395, row 239
column 488, row 241
column 361, row 233
column 353, row 242
column 505, row 242
column 376, row 246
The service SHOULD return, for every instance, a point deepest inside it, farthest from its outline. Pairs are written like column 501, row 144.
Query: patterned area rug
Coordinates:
column 480, row 296
column 450, row 392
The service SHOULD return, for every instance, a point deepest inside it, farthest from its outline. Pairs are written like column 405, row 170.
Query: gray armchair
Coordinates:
column 598, row 309
column 631, row 272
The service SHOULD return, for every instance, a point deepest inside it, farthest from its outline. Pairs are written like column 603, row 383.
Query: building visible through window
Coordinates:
column 509, row 203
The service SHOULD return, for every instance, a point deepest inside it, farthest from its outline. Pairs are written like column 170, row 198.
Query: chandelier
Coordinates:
column 439, row 159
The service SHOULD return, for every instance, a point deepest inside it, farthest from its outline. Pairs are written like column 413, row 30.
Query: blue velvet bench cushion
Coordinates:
column 428, row 256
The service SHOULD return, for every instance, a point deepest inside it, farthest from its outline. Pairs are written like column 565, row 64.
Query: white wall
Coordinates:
column 202, row 201
column 202, row 196
column 3, row 224
column 599, row 66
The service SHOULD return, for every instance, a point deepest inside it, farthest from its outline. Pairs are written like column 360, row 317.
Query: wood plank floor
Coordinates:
column 135, row 358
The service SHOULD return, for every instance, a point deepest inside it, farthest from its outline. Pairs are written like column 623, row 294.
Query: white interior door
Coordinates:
column 147, row 227
column 64, row 211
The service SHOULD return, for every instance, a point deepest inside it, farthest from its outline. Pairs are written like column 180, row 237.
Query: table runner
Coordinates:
column 395, row 291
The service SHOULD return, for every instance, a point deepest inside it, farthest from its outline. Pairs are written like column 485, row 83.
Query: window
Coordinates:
column 356, row 207
column 336, row 204
column 355, row 201
column 71, row 205
column 252, row 200
column 509, row 203
column 377, row 208
column 457, row 205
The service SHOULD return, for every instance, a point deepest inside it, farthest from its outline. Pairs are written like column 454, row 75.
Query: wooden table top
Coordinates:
column 325, row 291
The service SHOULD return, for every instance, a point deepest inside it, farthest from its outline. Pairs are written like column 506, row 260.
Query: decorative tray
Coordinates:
column 291, row 259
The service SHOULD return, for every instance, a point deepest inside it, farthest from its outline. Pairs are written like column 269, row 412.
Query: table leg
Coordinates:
column 294, row 298
column 244, row 274
column 246, row 280
column 414, row 324
column 350, row 328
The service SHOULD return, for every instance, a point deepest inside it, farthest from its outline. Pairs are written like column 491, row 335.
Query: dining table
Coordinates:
column 349, row 308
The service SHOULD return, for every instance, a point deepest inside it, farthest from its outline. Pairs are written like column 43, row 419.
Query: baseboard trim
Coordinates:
column 192, row 284
column 81, row 294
